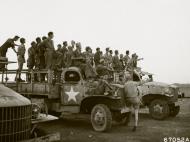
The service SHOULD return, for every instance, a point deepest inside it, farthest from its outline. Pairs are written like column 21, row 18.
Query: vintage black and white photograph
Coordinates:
column 94, row 71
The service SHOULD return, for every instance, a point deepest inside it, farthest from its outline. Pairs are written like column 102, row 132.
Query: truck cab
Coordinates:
column 161, row 98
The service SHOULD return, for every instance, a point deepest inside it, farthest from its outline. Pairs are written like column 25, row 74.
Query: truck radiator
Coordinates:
column 15, row 123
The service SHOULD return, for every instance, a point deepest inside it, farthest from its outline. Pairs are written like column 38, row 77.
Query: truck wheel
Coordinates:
column 174, row 110
column 101, row 118
column 159, row 109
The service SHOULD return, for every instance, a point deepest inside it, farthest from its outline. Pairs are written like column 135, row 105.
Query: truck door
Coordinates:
column 72, row 89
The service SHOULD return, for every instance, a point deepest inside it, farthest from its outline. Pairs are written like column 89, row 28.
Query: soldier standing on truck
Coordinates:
column 31, row 58
column 58, row 63
column 64, row 48
column 126, row 58
column 106, row 57
column 21, row 59
column 41, row 56
column 136, row 59
column 9, row 43
column 49, row 45
column 97, row 56
column 121, row 59
column 116, row 63
column 59, row 57
column 110, row 58
column 64, row 51
column 89, row 70
column 77, row 52
column 73, row 44
column 131, row 65
column 41, row 52
column 37, row 56
column 68, row 56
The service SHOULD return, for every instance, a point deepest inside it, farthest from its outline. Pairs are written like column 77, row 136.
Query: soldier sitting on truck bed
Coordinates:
column 98, row 86
column 103, row 70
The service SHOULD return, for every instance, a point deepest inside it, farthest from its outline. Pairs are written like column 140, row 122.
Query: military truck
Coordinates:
column 72, row 95
column 161, row 98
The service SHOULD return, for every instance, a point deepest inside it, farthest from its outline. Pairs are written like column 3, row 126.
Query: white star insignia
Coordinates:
column 72, row 95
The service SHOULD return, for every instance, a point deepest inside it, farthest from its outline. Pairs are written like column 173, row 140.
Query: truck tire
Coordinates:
column 159, row 109
column 174, row 110
column 101, row 118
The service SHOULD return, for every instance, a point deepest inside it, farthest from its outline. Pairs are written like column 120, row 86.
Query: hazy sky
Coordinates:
column 157, row 30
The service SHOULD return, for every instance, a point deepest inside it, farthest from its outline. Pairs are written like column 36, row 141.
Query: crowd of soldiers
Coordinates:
column 43, row 55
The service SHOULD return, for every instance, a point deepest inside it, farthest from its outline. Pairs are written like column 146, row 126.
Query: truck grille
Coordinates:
column 15, row 123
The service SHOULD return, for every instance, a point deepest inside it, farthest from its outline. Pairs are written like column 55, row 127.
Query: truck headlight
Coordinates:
column 35, row 111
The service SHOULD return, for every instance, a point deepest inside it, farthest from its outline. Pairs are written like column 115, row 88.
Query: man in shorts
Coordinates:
column 21, row 59
column 132, row 95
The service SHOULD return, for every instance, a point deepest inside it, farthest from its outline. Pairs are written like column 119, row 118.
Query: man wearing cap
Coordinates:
column 9, row 43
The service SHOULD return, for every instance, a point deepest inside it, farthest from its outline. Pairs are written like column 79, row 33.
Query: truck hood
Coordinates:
column 10, row 98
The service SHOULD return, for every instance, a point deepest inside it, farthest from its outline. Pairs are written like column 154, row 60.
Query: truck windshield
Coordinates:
column 72, row 76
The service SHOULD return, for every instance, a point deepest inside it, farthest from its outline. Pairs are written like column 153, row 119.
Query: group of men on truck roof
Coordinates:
column 43, row 55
